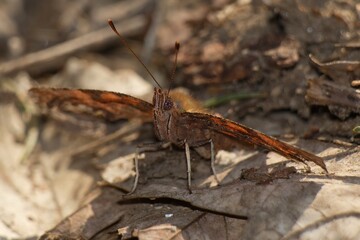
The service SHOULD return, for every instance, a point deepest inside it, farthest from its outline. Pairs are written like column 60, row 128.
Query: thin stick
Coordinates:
column 55, row 56
column 122, row 39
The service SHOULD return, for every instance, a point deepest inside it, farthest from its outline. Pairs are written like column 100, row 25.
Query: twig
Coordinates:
column 52, row 57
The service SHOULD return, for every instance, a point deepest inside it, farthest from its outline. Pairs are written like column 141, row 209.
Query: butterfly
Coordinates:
column 204, row 132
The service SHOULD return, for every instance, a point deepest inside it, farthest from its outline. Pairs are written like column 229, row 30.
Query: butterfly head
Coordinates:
column 164, row 110
column 162, row 101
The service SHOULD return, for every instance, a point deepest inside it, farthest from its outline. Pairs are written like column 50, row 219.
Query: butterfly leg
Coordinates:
column 136, row 164
column 141, row 149
column 212, row 153
column 188, row 163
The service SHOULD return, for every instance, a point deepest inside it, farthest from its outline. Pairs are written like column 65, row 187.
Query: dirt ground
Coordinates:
column 290, row 69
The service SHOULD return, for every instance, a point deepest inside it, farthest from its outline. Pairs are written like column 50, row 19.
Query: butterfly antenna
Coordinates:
column 172, row 76
column 122, row 39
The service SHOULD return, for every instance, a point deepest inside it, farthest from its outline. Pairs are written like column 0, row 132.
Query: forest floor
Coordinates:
column 290, row 69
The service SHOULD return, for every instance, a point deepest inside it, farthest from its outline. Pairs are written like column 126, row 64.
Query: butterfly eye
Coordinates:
column 168, row 104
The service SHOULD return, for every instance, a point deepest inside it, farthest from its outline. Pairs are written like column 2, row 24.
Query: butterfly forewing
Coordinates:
column 109, row 106
column 242, row 133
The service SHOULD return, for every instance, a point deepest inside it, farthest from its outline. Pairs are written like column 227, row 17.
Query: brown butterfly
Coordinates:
column 172, row 124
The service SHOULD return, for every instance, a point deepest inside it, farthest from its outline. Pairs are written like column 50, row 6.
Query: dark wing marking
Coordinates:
column 110, row 106
column 243, row 133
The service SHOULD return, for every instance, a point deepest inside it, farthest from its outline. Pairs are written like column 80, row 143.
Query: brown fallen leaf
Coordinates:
column 341, row 100
column 339, row 71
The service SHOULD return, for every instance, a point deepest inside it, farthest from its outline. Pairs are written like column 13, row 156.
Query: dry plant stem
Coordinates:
column 54, row 56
